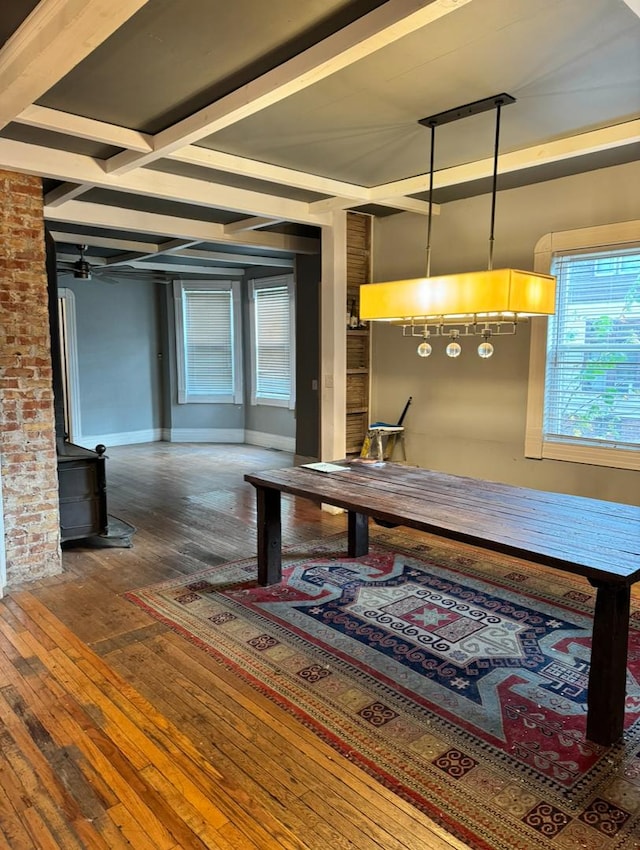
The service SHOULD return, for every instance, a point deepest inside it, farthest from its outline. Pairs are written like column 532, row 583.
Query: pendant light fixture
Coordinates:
column 483, row 303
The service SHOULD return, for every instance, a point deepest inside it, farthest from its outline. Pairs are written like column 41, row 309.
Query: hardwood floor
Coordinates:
column 104, row 745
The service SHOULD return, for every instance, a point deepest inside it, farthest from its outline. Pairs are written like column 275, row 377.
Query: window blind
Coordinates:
column 208, row 342
column 592, row 384
column 273, row 343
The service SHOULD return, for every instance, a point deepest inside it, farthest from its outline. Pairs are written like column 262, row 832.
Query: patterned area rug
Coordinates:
column 454, row 676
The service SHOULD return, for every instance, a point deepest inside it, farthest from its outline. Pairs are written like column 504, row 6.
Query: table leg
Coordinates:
column 269, row 536
column 608, row 673
column 358, row 526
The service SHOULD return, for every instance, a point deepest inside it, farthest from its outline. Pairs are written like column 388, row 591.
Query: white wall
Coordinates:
column 468, row 415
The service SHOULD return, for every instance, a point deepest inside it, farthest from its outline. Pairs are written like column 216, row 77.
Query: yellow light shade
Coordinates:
column 496, row 291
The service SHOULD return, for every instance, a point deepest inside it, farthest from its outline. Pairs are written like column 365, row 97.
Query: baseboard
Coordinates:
column 203, row 435
column 126, row 438
column 191, row 435
column 270, row 441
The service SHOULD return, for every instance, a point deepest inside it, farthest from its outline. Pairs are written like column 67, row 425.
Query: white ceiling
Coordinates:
column 236, row 128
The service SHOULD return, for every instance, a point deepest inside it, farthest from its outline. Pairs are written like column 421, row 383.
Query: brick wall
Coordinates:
column 27, row 428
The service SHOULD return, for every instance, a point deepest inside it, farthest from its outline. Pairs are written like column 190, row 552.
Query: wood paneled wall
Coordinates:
column 358, row 272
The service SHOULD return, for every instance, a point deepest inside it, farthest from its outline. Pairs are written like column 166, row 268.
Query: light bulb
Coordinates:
column 485, row 350
column 424, row 349
column 454, row 349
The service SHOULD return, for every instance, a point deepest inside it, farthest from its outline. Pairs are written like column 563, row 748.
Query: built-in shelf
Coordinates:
column 358, row 356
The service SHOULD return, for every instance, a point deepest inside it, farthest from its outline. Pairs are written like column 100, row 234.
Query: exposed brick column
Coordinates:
column 27, row 426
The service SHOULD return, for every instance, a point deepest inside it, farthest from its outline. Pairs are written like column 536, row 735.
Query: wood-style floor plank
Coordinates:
column 126, row 715
column 117, row 733
column 246, row 760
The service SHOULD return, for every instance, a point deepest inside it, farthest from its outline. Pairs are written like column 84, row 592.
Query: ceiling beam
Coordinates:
column 352, row 193
column 155, row 251
column 193, row 268
column 66, row 166
column 256, row 222
column 140, row 251
column 84, row 128
column 574, row 146
column 66, row 192
column 174, row 245
column 170, row 227
column 59, row 236
column 110, row 134
column 206, row 158
column 56, row 37
column 634, row 5
column 381, row 27
column 582, row 144
column 408, row 204
column 240, row 259
column 343, row 195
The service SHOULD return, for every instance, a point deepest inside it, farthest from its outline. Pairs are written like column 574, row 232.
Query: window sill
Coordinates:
column 613, row 458
column 272, row 402
column 207, row 400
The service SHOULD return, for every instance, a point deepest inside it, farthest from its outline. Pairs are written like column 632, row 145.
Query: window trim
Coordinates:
column 233, row 286
column 268, row 283
column 622, row 234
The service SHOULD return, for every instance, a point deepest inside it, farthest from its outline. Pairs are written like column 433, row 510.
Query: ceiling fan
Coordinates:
column 83, row 269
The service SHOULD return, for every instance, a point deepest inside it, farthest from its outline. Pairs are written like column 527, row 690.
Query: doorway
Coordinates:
column 69, row 364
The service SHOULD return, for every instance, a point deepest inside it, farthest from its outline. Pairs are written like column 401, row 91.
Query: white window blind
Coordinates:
column 208, row 343
column 273, row 342
column 206, row 318
column 592, row 382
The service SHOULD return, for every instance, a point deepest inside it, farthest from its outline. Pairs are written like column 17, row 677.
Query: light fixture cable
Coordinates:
column 430, row 213
column 494, row 187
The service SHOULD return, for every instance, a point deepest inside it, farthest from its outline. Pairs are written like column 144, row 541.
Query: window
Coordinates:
column 208, row 341
column 272, row 341
column 584, row 392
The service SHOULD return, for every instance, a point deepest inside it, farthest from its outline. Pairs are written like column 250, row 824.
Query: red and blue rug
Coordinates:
column 456, row 677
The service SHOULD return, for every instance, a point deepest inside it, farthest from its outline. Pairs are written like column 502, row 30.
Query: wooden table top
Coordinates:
column 597, row 539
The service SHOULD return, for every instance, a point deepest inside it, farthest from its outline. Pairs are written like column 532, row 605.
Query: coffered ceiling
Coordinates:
column 208, row 137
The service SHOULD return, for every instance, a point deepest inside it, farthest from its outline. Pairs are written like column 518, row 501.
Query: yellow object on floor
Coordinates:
column 381, row 440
